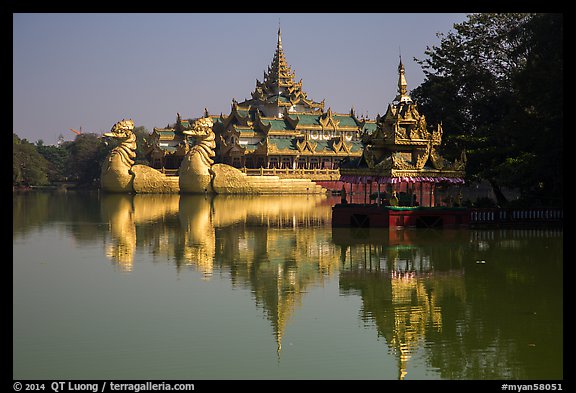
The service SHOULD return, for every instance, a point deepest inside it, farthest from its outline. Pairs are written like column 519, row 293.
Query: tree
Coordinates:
column 57, row 158
column 77, row 161
column 141, row 133
column 86, row 154
column 29, row 168
column 481, row 83
column 539, row 134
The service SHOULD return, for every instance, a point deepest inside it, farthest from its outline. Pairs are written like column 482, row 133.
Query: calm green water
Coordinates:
column 186, row 287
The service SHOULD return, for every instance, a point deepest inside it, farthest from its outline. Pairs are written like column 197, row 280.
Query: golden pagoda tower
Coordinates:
column 402, row 85
column 280, row 127
column 279, row 90
column 403, row 152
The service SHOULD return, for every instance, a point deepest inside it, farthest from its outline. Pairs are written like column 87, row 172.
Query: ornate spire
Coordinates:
column 280, row 73
column 402, row 85
column 279, row 44
column 279, row 87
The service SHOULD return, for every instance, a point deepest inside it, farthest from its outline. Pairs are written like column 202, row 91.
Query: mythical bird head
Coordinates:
column 121, row 130
column 201, row 128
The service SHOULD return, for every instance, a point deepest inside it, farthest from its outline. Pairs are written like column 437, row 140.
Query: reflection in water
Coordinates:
column 197, row 236
column 123, row 212
column 415, row 285
column 118, row 211
column 276, row 265
column 470, row 298
column 395, row 279
column 474, row 304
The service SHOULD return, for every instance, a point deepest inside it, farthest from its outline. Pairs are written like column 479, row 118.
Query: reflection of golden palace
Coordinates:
column 119, row 174
column 256, row 256
column 271, row 209
column 199, row 174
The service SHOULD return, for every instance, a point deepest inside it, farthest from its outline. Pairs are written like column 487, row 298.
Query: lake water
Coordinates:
column 192, row 287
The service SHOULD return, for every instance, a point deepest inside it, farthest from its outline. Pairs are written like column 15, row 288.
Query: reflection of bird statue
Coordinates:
column 119, row 174
column 199, row 174
column 123, row 212
column 199, row 245
column 117, row 210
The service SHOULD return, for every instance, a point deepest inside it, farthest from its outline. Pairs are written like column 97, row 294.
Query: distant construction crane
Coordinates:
column 76, row 131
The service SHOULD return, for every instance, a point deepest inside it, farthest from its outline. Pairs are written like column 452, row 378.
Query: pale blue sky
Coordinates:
column 91, row 70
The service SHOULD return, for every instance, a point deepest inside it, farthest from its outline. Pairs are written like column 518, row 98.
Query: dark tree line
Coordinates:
column 496, row 84
column 78, row 161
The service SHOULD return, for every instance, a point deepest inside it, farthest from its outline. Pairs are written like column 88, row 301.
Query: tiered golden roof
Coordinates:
column 279, row 87
column 165, row 147
column 402, row 146
column 280, row 127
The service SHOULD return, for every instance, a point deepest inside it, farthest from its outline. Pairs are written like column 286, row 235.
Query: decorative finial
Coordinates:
column 402, row 84
column 279, row 35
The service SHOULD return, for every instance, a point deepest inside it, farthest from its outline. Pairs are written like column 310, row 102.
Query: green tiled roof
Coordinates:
column 326, row 146
column 276, row 98
column 165, row 133
column 243, row 112
column 277, row 124
column 251, row 147
column 307, row 119
column 282, row 143
column 313, row 119
column 369, row 128
column 356, row 146
column 243, row 130
column 322, row 146
column 345, row 121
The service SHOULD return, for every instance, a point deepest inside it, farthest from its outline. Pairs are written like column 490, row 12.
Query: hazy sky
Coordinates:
column 91, row 70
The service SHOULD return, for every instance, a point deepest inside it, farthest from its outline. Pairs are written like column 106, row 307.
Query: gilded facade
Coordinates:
column 166, row 147
column 402, row 148
column 280, row 131
column 280, row 127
